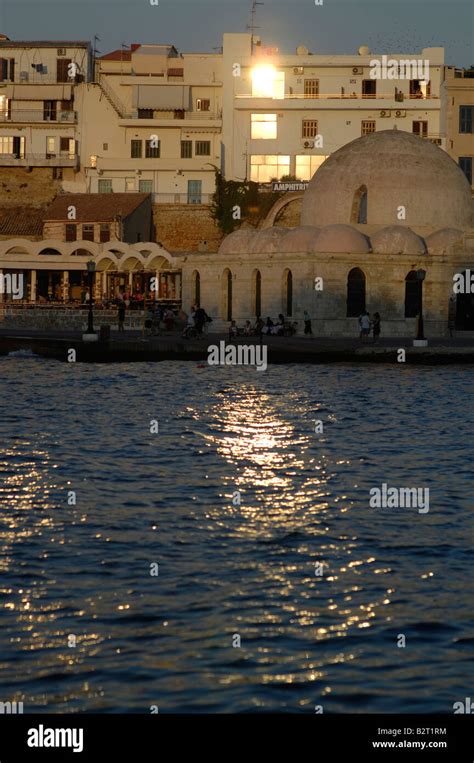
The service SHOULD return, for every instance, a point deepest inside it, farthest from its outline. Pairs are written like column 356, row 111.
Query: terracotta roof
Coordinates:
column 117, row 55
column 94, row 207
column 21, row 222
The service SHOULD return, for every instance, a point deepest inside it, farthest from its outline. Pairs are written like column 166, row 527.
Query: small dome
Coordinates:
column 237, row 242
column 397, row 169
column 341, row 238
column 394, row 239
column 442, row 241
column 269, row 240
column 301, row 239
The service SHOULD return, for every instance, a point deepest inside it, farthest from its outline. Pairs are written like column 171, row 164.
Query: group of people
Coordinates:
column 368, row 324
column 264, row 327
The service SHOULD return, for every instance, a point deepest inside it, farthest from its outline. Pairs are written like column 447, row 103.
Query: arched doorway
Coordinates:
column 257, row 292
column 465, row 309
column 355, row 293
column 227, row 295
column 196, row 282
column 288, row 293
column 413, row 295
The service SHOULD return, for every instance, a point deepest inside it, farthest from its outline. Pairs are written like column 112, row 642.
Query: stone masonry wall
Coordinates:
column 182, row 227
column 31, row 189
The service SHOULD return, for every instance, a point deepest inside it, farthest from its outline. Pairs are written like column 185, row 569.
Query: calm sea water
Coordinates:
column 228, row 570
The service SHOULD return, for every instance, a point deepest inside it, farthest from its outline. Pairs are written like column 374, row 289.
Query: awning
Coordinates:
column 38, row 92
column 161, row 97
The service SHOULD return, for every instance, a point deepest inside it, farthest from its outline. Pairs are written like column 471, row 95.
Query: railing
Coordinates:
column 31, row 77
column 182, row 198
column 111, row 95
column 341, row 96
column 38, row 115
column 187, row 115
column 38, row 160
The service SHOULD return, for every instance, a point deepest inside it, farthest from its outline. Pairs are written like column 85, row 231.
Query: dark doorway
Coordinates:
column 355, row 293
column 413, row 295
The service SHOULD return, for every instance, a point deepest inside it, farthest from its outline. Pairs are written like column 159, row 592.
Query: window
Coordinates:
column 129, row 185
column 194, row 191
column 105, row 186
column 186, row 149
column 465, row 163
column 88, row 232
column 265, row 167
column 420, row 128
column 179, row 113
column 466, row 119
column 49, row 111
column 6, row 144
column 359, row 206
column 152, row 149
column 7, row 69
column 64, row 145
column 145, row 113
column 50, row 147
column 419, row 88
column 263, row 126
column 413, row 295
column 311, row 88
column 306, row 165
column 309, row 128
column 367, row 126
column 203, row 104
column 71, row 232
column 369, row 88
column 104, row 232
column 4, row 108
column 136, row 149
column 355, row 293
column 267, row 83
column 203, row 148
column 145, row 186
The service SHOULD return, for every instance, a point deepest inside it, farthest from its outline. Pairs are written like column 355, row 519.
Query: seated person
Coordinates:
column 248, row 329
column 267, row 329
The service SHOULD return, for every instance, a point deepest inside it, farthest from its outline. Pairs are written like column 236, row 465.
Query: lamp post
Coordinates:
column 420, row 340
column 90, row 335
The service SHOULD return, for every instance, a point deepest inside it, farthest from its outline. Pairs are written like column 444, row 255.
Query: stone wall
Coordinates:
column 63, row 319
column 183, row 227
column 33, row 189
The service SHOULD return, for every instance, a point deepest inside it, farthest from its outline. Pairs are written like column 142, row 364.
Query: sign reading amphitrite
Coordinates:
column 289, row 186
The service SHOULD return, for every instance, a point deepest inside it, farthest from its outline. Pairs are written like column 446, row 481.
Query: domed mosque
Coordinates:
column 377, row 212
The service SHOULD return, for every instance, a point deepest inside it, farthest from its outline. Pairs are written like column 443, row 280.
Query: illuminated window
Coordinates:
column 6, row 144
column 264, row 168
column 307, row 165
column 267, row 82
column 264, row 126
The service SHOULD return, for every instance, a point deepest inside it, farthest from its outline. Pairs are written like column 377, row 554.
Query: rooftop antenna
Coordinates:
column 252, row 26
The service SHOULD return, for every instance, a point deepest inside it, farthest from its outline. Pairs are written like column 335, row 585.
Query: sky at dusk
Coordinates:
column 335, row 27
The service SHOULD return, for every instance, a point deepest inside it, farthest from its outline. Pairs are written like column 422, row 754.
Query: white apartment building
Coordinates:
column 153, row 123
column 284, row 114
column 38, row 111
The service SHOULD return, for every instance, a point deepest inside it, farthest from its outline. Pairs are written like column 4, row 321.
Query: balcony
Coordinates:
column 182, row 198
column 39, row 160
column 189, row 118
column 17, row 116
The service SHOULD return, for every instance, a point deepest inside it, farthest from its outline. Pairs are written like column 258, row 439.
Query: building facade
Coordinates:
column 459, row 115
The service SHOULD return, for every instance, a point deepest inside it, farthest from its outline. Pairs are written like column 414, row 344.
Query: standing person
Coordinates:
column 307, row 324
column 364, row 325
column 376, row 327
column 452, row 315
column 121, row 316
column 199, row 319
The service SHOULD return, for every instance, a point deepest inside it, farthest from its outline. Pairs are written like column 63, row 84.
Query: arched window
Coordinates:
column 257, row 292
column 288, row 293
column 413, row 295
column 227, row 295
column 355, row 292
column 196, row 281
column 359, row 206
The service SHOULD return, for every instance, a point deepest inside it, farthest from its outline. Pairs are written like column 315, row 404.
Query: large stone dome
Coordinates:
column 396, row 169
